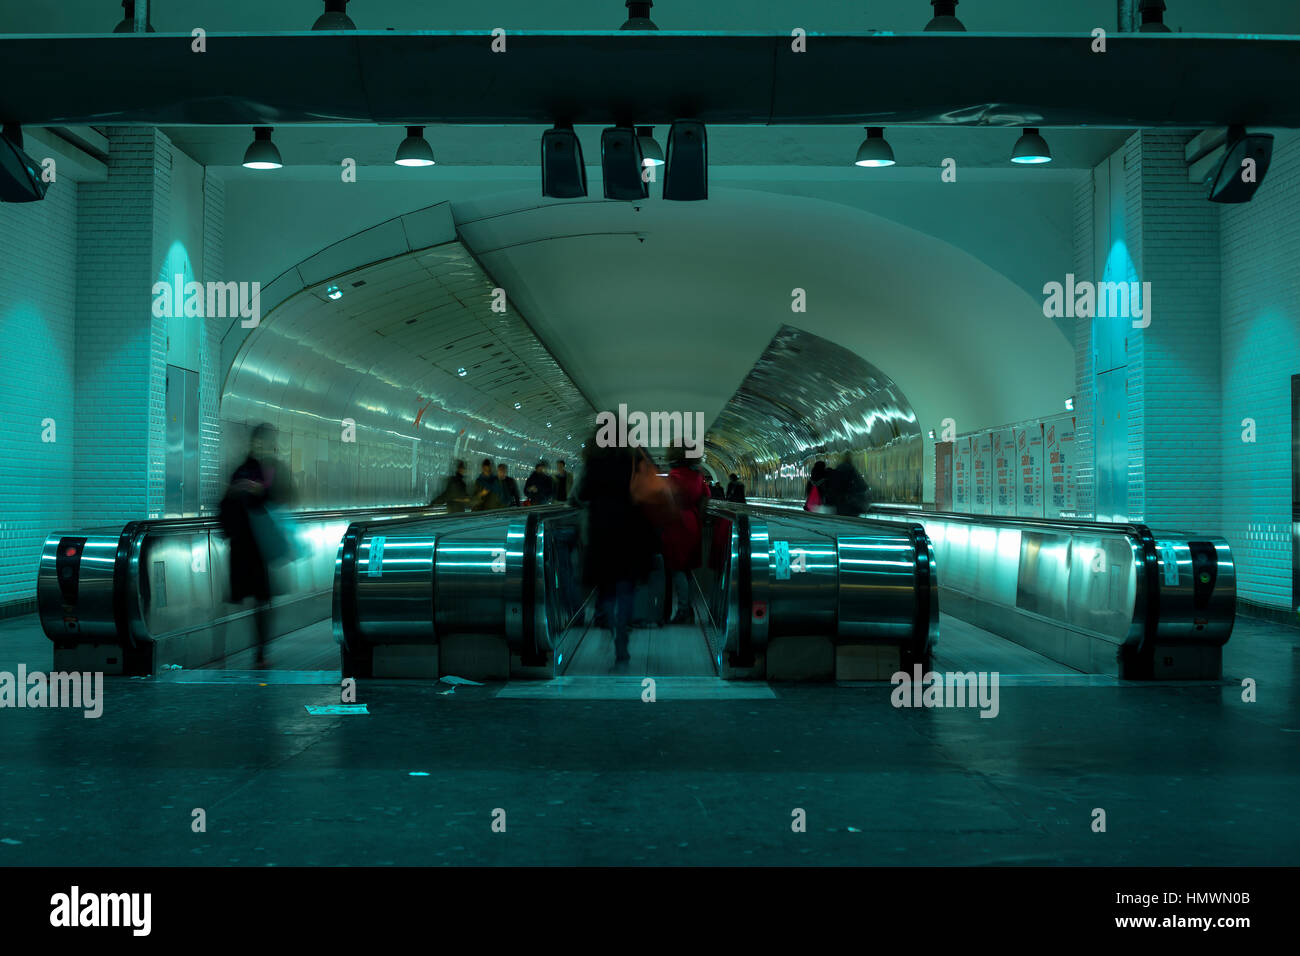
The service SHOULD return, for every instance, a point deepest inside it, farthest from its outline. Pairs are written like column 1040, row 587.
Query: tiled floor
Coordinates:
column 589, row 772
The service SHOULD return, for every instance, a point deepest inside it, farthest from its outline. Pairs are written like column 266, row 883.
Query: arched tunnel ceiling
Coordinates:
column 676, row 322
column 387, row 354
column 807, row 395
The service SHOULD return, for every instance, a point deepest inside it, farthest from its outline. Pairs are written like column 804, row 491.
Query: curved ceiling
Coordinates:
column 387, row 355
column 806, row 396
column 662, row 305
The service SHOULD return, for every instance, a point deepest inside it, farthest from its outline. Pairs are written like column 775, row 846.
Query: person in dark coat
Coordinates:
column 846, row 490
column 539, row 487
column 509, row 488
column 717, row 492
column 681, row 538
column 813, row 489
column 455, row 493
column 255, row 540
column 487, row 490
column 563, row 482
column 736, row 489
column 618, row 550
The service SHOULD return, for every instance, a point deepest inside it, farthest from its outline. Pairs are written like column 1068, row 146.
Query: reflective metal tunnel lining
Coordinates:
column 808, row 398
column 386, row 355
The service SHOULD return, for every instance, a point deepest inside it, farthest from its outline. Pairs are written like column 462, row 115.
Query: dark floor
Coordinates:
column 709, row 773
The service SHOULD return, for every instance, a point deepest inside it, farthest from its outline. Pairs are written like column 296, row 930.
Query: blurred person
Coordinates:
column 812, row 490
column 539, row 487
column 736, row 489
column 846, row 490
column 562, row 482
column 256, row 540
column 487, row 490
column 509, row 488
column 617, row 553
column 455, row 493
column 717, row 492
column 681, row 538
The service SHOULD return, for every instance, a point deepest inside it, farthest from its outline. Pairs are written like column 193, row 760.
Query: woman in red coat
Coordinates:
column 681, row 539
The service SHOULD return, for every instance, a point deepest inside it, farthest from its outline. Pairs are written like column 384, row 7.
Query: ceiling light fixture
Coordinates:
column 638, row 15
column 518, row 405
column 414, row 150
column 461, row 372
column 261, row 152
column 651, row 154
column 1031, row 149
column 875, row 151
column 621, row 164
column 1153, row 17
column 945, row 17
column 335, row 17
column 334, row 292
column 563, row 174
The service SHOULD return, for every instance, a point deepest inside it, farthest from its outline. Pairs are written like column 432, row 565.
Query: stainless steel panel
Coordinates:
column 805, row 398
column 377, row 357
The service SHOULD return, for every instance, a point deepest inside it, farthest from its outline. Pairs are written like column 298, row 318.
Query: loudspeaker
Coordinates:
column 1245, row 163
column 620, row 161
column 20, row 176
column 563, row 174
column 686, row 170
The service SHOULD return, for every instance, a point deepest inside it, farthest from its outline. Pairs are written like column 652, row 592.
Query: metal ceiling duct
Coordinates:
column 1151, row 80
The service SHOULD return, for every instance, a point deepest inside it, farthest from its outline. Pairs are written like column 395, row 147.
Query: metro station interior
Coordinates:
column 1031, row 272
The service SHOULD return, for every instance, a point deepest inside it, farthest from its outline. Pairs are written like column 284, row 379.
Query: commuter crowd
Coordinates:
column 643, row 527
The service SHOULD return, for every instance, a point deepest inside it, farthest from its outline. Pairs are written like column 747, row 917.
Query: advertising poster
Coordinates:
column 961, row 476
column 982, row 474
column 1004, row 472
column 1058, row 443
column 1029, row 471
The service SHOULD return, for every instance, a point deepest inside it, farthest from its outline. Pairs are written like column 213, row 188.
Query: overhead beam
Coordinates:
column 409, row 79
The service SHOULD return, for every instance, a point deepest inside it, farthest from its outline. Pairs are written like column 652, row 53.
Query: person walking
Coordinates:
column 256, row 541
column 812, row 491
column 509, row 488
column 563, row 482
column 539, row 487
column 455, row 493
column 617, row 553
column 846, row 489
column 487, row 490
column 681, row 538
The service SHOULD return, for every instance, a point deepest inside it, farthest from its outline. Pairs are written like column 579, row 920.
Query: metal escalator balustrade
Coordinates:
column 1097, row 597
column 155, row 592
column 817, row 596
column 464, row 595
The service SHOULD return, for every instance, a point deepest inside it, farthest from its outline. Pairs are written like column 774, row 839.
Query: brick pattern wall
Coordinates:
column 211, row 374
column 1135, row 341
column 157, row 423
column 1084, row 371
column 38, row 296
column 1178, row 393
column 1260, row 351
column 120, row 346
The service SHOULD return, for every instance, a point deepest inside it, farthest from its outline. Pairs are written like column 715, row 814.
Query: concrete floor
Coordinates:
column 710, row 773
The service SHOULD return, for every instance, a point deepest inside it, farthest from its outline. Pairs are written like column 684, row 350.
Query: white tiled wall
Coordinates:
column 1260, row 344
column 38, row 293
column 120, row 399
column 1177, row 393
